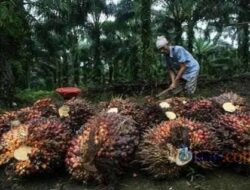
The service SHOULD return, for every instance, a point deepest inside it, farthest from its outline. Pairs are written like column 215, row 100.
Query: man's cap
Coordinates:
column 161, row 42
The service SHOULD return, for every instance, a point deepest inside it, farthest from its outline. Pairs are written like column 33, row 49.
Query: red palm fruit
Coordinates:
column 46, row 106
column 26, row 114
column 234, row 131
column 79, row 112
column 235, row 99
column 10, row 141
column 108, row 136
column 128, row 108
column 151, row 115
column 158, row 150
column 124, row 106
column 229, row 97
column 41, row 108
column 176, row 104
column 146, row 115
column 201, row 110
column 14, row 118
column 40, row 149
column 5, row 121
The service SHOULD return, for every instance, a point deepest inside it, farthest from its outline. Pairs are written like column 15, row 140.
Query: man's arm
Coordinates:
column 178, row 76
column 180, row 72
column 172, row 75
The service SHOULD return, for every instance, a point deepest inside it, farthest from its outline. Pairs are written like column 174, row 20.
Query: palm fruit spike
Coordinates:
column 201, row 110
column 11, row 141
column 229, row 97
column 173, row 107
column 124, row 106
column 41, row 108
column 22, row 115
column 42, row 149
column 26, row 114
column 146, row 116
column 78, row 111
column 127, row 108
column 107, row 138
column 231, row 102
column 46, row 106
column 159, row 147
column 151, row 115
column 176, row 104
column 234, row 131
column 102, row 106
column 6, row 120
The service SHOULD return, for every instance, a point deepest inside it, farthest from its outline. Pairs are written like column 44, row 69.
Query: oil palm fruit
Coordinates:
column 108, row 138
column 231, row 102
column 46, row 107
column 160, row 147
column 75, row 112
column 201, row 110
column 36, row 147
column 234, row 133
column 6, row 120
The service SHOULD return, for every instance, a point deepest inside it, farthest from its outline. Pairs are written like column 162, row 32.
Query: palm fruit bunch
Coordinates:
column 102, row 106
column 231, row 102
column 177, row 103
column 75, row 112
column 234, row 133
column 10, row 141
column 122, row 106
column 173, row 107
column 201, row 110
column 128, row 108
column 41, row 108
column 146, row 115
column 6, row 120
column 46, row 107
column 152, row 113
column 26, row 114
column 37, row 147
column 13, row 118
column 107, row 139
column 159, row 150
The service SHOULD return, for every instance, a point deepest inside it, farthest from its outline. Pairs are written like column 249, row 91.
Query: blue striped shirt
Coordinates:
column 178, row 55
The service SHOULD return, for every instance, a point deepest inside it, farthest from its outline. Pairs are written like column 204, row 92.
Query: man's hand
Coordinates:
column 173, row 85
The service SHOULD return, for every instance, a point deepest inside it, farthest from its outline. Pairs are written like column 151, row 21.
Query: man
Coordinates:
column 182, row 67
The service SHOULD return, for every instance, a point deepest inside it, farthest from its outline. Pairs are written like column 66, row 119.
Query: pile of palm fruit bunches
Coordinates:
column 162, row 137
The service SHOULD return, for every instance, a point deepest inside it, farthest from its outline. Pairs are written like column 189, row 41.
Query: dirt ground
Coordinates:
column 217, row 179
column 210, row 180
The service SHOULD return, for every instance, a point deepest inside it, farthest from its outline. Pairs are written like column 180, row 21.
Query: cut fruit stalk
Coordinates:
column 229, row 107
column 113, row 110
column 171, row 115
column 64, row 111
column 22, row 152
column 164, row 105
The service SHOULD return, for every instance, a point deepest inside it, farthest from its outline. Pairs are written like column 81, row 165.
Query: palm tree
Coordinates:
column 13, row 29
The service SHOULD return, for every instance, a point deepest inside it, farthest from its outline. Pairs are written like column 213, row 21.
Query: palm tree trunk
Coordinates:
column 6, row 82
column 148, row 58
column 65, row 70
column 97, row 54
column 190, row 36
column 179, row 31
column 243, row 33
